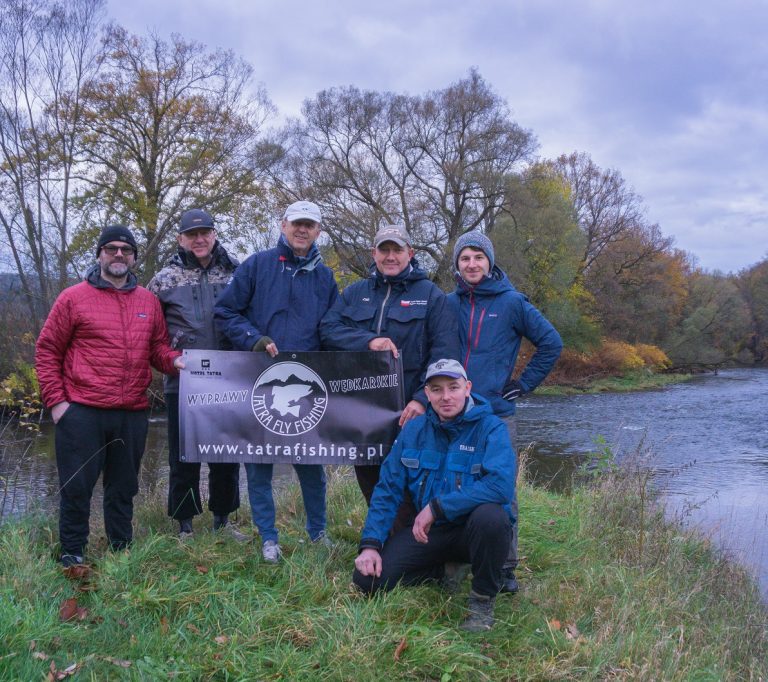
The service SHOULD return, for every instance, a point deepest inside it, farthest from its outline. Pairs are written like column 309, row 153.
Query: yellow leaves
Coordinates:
column 568, row 630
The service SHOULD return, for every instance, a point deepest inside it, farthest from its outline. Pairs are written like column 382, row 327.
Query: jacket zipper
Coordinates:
column 381, row 314
column 469, row 331
column 479, row 326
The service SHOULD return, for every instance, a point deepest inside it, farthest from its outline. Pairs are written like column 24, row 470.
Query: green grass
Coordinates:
column 609, row 592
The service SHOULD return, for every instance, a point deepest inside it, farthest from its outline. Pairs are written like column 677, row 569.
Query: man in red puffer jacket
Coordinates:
column 93, row 360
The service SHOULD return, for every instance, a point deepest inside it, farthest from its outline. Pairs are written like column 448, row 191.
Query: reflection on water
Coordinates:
column 708, row 439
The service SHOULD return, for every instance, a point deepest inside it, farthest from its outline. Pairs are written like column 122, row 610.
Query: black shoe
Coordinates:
column 480, row 616
column 69, row 560
column 509, row 582
column 185, row 529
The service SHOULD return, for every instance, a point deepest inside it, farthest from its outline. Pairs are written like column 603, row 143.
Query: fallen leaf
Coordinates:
column 163, row 624
column 40, row 656
column 52, row 672
column 202, row 569
column 122, row 623
column 217, row 657
column 400, row 648
column 82, row 613
column 192, row 628
column 571, row 631
column 555, row 624
column 120, row 663
column 68, row 609
column 551, row 522
column 78, row 572
column 32, row 645
column 68, row 671
column 221, row 639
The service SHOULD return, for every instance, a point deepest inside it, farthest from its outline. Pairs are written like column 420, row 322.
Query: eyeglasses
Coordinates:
column 112, row 250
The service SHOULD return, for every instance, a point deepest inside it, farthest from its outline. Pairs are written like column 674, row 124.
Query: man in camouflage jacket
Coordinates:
column 188, row 288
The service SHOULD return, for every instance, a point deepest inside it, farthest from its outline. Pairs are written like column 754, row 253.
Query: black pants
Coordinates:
column 184, row 477
column 91, row 441
column 367, row 478
column 482, row 540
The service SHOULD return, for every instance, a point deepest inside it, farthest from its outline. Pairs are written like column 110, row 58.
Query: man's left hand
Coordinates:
column 422, row 524
column 178, row 362
column 413, row 409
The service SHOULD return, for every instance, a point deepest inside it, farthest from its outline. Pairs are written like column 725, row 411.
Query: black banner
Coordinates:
column 297, row 408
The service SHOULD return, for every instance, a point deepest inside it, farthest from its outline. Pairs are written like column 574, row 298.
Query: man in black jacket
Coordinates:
column 188, row 288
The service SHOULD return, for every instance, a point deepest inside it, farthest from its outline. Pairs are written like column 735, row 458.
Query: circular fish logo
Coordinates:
column 289, row 399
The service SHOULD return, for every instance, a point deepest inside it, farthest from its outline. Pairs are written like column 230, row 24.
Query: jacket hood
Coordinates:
column 495, row 283
column 188, row 260
column 412, row 273
column 94, row 278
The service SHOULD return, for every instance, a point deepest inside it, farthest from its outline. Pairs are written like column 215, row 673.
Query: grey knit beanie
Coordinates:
column 477, row 240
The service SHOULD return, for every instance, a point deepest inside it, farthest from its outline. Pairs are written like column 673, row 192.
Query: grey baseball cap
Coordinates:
column 195, row 219
column 446, row 368
column 392, row 233
column 303, row 210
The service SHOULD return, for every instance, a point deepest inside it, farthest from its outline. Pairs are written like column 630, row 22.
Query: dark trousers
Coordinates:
column 184, row 477
column 92, row 441
column 482, row 540
column 367, row 478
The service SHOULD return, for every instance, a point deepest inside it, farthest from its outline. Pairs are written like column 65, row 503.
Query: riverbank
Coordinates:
column 608, row 591
column 631, row 381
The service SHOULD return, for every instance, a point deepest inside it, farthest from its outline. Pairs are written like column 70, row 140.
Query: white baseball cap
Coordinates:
column 303, row 210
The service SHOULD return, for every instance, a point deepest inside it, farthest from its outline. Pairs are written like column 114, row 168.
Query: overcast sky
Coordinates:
column 673, row 93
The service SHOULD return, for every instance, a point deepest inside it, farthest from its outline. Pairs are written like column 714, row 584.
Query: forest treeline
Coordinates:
column 99, row 126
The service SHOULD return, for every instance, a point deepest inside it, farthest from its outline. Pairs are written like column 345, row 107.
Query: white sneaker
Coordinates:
column 234, row 533
column 270, row 550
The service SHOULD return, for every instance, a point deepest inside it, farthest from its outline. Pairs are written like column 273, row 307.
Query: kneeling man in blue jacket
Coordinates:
column 459, row 466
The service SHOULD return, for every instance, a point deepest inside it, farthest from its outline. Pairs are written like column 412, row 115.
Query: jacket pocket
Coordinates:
column 406, row 313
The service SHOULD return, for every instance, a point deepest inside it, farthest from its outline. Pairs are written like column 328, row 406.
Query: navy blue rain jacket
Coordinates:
column 453, row 466
column 493, row 320
column 408, row 309
column 277, row 294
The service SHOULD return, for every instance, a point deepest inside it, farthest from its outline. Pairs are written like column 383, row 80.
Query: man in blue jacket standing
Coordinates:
column 494, row 318
column 275, row 303
column 397, row 308
column 459, row 466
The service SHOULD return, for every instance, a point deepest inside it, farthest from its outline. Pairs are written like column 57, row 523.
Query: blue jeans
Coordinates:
column 312, row 482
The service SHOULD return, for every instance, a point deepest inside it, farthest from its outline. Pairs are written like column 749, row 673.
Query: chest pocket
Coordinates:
column 359, row 313
column 406, row 313
column 421, row 459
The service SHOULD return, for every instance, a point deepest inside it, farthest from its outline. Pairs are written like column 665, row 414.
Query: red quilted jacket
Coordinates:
column 97, row 345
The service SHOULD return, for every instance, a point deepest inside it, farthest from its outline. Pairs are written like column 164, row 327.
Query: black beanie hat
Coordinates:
column 116, row 233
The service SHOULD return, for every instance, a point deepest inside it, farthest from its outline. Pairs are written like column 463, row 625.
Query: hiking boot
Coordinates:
column 186, row 532
column 69, row 560
column 270, row 550
column 480, row 618
column 509, row 581
column 322, row 540
column 453, row 575
column 221, row 524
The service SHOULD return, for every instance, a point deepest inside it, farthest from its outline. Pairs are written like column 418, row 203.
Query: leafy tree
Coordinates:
column 539, row 245
column 170, row 126
column 753, row 285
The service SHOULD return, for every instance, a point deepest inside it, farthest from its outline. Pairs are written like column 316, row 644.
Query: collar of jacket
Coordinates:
column 219, row 256
column 309, row 262
column 94, row 278
column 494, row 283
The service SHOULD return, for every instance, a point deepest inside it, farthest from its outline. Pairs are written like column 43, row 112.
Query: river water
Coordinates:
column 707, row 439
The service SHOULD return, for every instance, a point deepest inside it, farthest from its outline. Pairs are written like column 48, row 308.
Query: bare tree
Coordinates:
column 436, row 163
column 47, row 54
column 607, row 210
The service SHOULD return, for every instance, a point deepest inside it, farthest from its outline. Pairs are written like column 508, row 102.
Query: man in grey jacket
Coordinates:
column 188, row 288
